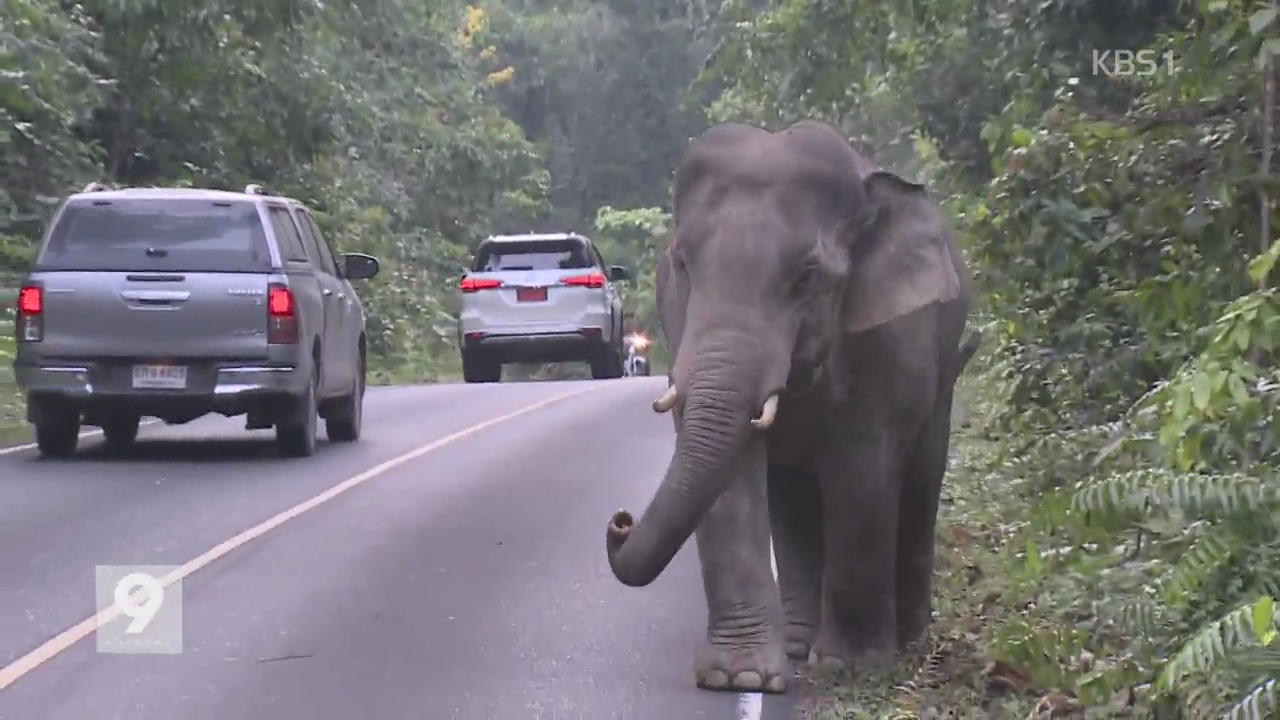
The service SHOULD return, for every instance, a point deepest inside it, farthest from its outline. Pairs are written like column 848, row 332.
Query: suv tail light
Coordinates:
column 591, row 280
column 282, row 315
column 30, row 326
column 470, row 284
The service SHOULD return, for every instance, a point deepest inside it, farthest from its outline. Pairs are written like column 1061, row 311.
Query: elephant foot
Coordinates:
column 797, row 649
column 798, row 641
column 831, row 655
column 754, row 668
column 912, row 636
column 913, row 623
column 845, row 664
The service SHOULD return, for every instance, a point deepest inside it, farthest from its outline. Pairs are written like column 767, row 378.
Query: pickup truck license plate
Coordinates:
column 160, row 377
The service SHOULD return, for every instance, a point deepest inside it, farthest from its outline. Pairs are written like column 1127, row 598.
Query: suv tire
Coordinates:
column 121, row 431
column 608, row 363
column 480, row 369
column 296, row 435
column 344, row 421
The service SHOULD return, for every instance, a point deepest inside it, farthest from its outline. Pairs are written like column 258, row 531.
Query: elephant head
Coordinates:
column 787, row 246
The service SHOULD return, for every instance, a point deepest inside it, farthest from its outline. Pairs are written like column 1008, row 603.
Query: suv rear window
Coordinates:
column 532, row 255
column 158, row 235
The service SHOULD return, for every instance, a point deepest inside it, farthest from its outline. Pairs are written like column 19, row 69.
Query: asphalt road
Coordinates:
column 449, row 565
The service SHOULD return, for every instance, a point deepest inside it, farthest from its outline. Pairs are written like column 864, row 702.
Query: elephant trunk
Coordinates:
column 715, row 426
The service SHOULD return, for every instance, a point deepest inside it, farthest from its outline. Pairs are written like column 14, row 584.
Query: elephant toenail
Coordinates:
column 748, row 680
column 776, row 684
column 714, row 680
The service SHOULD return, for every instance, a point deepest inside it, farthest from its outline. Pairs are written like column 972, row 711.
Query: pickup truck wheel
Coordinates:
column 58, row 436
column 121, row 431
column 344, row 421
column 296, row 436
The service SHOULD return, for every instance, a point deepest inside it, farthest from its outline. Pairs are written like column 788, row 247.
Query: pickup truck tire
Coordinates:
column 343, row 422
column 121, row 431
column 58, row 434
column 296, row 433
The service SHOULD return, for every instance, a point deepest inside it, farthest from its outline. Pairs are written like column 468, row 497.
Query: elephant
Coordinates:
column 814, row 306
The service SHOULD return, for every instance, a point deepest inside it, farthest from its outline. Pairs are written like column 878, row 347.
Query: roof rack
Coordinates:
column 254, row 189
column 96, row 187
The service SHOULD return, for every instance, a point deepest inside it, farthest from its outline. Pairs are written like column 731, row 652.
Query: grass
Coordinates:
column 13, row 425
column 953, row 672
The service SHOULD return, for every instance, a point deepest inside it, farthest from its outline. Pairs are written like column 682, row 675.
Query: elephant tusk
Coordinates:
column 666, row 402
column 767, row 414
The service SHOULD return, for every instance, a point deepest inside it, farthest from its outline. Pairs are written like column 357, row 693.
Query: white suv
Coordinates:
column 540, row 298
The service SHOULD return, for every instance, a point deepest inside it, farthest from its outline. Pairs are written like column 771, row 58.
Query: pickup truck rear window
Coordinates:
column 532, row 255
column 157, row 235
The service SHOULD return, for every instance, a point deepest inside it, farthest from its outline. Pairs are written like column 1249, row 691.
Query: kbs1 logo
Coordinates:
column 1127, row 63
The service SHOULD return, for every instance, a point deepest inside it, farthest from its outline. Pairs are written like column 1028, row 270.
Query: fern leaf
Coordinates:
column 1137, row 618
column 1258, row 704
column 1206, row 554
column 1261, row 661
column 1232, row 494
column 1123, row 492
column 1151, row 488
column 1209, row 646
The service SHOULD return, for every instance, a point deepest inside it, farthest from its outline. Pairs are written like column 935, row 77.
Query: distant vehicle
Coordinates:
column 540, row 298
column 637, row 362
column 176, row 303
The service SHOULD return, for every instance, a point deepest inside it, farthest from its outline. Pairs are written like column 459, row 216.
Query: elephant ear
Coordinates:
column 900, row 259
column 672, row 298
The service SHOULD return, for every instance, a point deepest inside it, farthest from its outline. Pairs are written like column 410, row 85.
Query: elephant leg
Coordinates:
column 742, row 651
column 918, row 513
column 795, row 513
column 859, row 480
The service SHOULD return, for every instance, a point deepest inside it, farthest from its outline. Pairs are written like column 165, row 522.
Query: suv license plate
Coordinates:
column 160, row 377
column 531, row 294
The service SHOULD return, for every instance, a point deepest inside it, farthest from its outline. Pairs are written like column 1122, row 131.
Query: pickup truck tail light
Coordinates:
column 282, row 315
column 470, row 284
column 591, row 280
column 30, row 326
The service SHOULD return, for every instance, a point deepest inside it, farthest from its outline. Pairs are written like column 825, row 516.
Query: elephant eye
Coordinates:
column 807, row 279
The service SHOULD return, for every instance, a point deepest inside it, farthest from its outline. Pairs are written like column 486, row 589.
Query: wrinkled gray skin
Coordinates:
column 798, row 268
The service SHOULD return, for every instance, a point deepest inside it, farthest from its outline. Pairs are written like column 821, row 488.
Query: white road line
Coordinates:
column 87, row 433
column 750, row 705
column 12, row 672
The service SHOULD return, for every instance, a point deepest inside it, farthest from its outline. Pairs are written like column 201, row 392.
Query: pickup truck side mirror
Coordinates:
column 618, row 272
column 358, row 266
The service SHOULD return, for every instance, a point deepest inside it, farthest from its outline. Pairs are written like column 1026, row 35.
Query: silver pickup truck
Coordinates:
column 176, row 303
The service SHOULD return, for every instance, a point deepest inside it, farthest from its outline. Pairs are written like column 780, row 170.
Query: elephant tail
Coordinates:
column 968, row 347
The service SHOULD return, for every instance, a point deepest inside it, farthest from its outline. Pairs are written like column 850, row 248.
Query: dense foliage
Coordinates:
column 378, row 112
